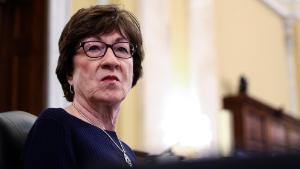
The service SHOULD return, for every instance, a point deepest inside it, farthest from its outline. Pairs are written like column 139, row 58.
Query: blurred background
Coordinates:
column 197, row 54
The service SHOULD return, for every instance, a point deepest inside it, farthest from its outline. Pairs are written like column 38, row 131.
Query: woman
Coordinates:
column 100, row 61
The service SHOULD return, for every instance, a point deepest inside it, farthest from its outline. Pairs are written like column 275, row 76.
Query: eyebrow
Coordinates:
column 119, row 39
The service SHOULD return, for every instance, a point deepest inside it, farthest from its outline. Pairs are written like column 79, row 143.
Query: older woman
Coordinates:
column 100, row 61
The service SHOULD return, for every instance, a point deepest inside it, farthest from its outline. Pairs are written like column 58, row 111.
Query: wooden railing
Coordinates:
column 260, row 128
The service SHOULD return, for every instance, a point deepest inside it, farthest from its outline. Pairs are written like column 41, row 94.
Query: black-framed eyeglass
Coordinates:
column 97, row 49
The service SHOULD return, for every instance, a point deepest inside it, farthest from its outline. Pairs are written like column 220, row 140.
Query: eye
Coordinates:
column 94, row 47
column 122, row 49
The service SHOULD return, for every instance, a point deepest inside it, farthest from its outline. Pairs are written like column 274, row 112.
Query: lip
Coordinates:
column 110, row 78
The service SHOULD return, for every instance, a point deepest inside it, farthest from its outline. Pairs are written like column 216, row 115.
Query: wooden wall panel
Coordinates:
column 23, row 55
column 260, row 128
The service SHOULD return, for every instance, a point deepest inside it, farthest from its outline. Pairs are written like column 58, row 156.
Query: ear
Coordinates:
column 70, row 79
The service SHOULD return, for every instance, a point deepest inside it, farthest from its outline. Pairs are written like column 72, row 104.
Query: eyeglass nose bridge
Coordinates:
column 106, row 48
column 111, row 47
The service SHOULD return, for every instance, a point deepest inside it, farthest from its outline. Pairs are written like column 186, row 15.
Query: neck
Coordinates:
column 100, row 115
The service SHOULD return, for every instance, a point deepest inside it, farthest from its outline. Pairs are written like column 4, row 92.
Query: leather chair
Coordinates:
column 14, row 127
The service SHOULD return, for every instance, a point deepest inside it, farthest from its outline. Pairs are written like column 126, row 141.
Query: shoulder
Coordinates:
column 58, row 118
column 53, row 113
column 52, row 120
column 57, row 115
column 49, row 143
column 49, row 119
column 49, row 128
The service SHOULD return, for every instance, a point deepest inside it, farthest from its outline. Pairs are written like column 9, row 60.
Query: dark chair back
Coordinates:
column 14, row 127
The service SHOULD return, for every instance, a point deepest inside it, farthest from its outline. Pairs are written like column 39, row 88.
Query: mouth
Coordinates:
column 110, row 78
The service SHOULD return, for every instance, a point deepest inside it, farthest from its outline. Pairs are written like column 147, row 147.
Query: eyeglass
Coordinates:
column 97, row 49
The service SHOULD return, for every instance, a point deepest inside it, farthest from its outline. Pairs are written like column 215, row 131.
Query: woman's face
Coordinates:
column 107, row 79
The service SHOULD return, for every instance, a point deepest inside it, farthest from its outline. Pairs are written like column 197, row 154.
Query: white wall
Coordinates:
column 59, row 13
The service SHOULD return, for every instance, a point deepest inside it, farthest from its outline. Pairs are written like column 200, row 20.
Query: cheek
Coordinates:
column 130, row 73
column 83, row 70
column 81, row 65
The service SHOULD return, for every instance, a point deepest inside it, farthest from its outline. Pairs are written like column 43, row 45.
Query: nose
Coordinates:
column 109, row 60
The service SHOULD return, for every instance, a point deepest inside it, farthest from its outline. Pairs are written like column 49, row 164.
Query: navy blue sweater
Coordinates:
column 59, row 140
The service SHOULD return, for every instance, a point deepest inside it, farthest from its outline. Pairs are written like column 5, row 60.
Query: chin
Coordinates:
column 109, row 99
column 113, row 100
column 109, row 96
